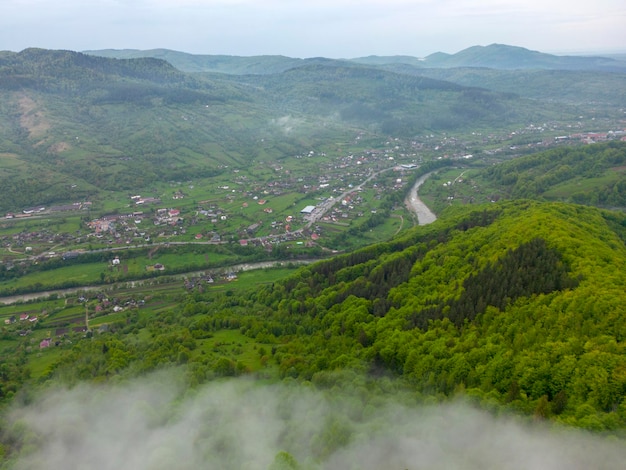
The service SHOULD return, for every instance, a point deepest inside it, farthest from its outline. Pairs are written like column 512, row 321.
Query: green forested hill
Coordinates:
column 515, row 306
column 71, row 73
column 207, row 63
column 593, row 174
column 495, row 56
column 502, row 56
column 569, row 86
column 99, row 124
column 393, row 103
column 518, row 305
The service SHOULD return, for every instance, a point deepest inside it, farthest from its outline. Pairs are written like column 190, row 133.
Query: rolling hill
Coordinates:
column 518, row 306
column 500, row 56
column 94, row 123
column 207, row 63
column 519, row 303
column 116, row 124
column 497, row 67
column 495, row 56
column 505, row 57
column 593, row 175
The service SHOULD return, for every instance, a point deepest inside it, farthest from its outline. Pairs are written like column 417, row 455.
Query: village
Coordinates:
column 284, row 205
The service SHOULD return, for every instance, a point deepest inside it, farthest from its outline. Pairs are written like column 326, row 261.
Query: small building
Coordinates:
column 70, row 255
column 253, row 228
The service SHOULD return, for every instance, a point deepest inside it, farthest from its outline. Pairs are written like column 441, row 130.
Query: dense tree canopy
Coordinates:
column 519, row 305
column 593, row 175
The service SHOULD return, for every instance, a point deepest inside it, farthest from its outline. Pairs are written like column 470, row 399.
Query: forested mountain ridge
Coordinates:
column 92, row 123
column 449, row 312
column 58, row 70
column 592, row 174
column 497, row 67
column 516, row 306
column 543, row 334
column 501, row 56
column 569, row 86
column 495, row 56
column 97, row 124
column 207, row 63
column 387, row 102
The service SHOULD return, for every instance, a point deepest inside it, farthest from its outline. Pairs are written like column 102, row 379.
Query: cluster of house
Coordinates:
column 44, row 236
column 454, row 147
column 23, row 317
column 59, row 333
column 168, row 217
column 25, row 320
column 594, row 137
column 269, row 241
column 103, row 306
column 349, row 206
column 116, row 304
column 125, row 227
column 208, row 278
column 109, row 223
column 139, row 200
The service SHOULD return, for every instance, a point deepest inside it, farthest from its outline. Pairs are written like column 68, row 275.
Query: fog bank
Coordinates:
column 153, row 424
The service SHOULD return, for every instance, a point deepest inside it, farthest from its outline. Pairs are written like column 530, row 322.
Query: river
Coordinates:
column 11, row 299
column 414, row 203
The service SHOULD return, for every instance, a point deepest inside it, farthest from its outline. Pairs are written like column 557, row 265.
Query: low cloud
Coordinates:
column 154, row 424
column 287, row 123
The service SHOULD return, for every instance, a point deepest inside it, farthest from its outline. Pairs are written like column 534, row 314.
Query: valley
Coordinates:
column 341, row 231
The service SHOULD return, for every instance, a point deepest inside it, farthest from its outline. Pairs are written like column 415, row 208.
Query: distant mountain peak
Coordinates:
column 502, row 56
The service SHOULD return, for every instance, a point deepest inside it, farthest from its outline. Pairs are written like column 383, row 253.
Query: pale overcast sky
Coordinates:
column 308, row 28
